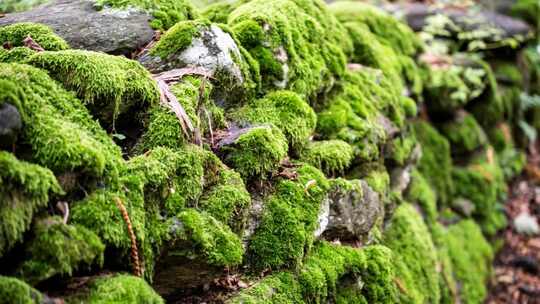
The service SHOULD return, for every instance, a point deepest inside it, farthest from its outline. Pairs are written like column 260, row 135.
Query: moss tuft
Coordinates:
column 177, row 38
column 331, row 156
column 464, row 134
column 15, row 34
column 59, row 249
column 25, row 190
column 13, row 290
column 122, row 289
column 257, row 152
column 16, row 54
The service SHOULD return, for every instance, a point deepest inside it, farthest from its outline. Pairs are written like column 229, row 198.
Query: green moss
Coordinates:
column 15, row 34
column 228, row 200
column 482, row 182
column 108, row 85
column 122, row 289
column 464, row 134
column 166, row 13
column 435, row 163
column 57, row 127
column 16, row 54
column 331, row 156
column 219, row 11
column 401, row 149
column 59, row 249
column 208, row 238
column 286, row 110
column 301, row 47
column 415, row 256
column 393, row 32
column 13, row 290
column 25, row 190
column 488, row 108
column 325, row 270
column 419, row 192
column 528, row 10
column 471, row 257
column 378, row 180
column 177, row 38
column 11, row 6
column 289, row 220
column 256, row 152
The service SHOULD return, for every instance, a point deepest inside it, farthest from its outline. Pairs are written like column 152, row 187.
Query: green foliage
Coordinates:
column 13, row 290
column 289, row 220
column 435, row 163
column 14, row 35
column 208, row 238
column 297, row 44
column 415, row 256
column 59, row 249
column 25, row 190
column 257, row 152
column 166, row 13
column 471, row 257
column 331, row 156
column 108, row 85
column 286, row 110
column 122, row 289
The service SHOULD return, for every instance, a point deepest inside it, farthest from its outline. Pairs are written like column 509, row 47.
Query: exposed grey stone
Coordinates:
column 10, row 124
column 526, row 224
column 108, row 30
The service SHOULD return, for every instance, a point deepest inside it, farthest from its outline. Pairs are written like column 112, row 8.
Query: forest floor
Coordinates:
column 517, row 265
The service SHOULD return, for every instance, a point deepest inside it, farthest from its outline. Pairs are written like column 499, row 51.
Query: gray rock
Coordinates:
column 114, row 31
column 526, row 224
column 10, row 124
column 352, row 212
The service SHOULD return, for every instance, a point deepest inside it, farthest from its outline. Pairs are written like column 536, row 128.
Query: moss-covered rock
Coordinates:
column 121, row 289
column 435, row 163
column 286, row 110
column 256, row 152
column 108, row 85
column 464, row 134
column 25, row 190
column 13, row 290
column 419, row 192
column 289, row 220
column 471, row 257
column 59, row 249
column 330, row 156
column 166, row 13
column 298, row 45
column 17, row 54
column 415, row 256
column 14, row 35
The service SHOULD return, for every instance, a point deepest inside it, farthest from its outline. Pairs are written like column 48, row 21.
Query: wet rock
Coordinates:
column 353, row 211
column 108, row 30
column 10, row 125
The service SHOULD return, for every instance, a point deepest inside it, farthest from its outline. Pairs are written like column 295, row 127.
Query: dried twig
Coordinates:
column 32, row 44
column 64, row 208
column 134, row 251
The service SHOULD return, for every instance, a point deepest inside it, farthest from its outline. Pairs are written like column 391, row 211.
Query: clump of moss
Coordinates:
column 25, row 189
column 482, row 182
column 13, row 290
column 402, row 148
column 109, row 85
column 298, row 45
column 166, row 13
column 57, row 127
column 122, row 289
column 219, row 11
column 331, row 156
column 59, row 249
column 289, row 220
column 17, row 54
column 322, row 276
column 415, row 256
column 435, row 163
column 178, row 38
column 286, row 110
column 14, row 35
column 471, row 257
column 464, row 134
column 379, row 180
column 227, row 200
column 256, row 152
column 208, row 238
column 419, row 192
